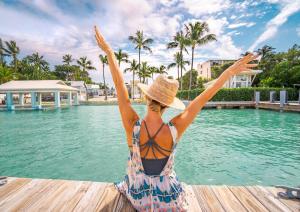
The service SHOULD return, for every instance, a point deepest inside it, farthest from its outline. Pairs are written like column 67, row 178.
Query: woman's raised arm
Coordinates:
column 129, row 116
column 183, row 120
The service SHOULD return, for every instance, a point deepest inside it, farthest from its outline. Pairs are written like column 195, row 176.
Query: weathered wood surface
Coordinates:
column 24, row 194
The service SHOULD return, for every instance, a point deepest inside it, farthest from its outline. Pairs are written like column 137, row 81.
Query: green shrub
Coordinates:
column 242, row 94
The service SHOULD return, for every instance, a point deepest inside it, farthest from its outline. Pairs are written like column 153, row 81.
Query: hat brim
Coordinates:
column 177, row 103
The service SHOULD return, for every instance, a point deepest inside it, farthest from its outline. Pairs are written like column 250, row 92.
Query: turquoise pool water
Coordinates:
column 88, row 143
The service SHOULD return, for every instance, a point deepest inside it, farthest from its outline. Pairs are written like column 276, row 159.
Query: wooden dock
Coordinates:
column 25, row 194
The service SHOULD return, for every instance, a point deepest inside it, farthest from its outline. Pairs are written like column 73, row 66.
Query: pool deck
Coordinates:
column 25, row 194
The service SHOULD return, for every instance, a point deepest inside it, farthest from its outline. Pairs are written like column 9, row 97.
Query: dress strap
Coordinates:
column 152, row 137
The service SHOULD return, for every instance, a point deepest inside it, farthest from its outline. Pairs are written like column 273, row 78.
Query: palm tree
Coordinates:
column 40, row 65
column 67, row 59
column 153, row 70
column 161, row 69
column 2, row 54
column 12, row 50
column 5, row 74
column 144, row 71
column 197, row 36
column 104, row 61
column 86, row 66
column 178, row 62
column 134, row 66
column 121, row 57
column 265, row 50
column 141, row 43
column 179, row 40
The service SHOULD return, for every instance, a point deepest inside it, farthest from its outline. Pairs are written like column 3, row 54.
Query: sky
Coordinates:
column 55, row 27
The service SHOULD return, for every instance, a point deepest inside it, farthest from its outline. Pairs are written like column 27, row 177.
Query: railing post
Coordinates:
column 33, row 99
column 10, row 101
column 272, row 94
column 283, row 98
column 257, row 97
column 57, row 99
column 299, row 97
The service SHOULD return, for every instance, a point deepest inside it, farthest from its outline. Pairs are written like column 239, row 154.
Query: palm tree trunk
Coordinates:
column 181, row 68
column 140, row 63
column 15, row 63
column 105, row 93
column 178, row 71
column 132, row 92
column 190, row 83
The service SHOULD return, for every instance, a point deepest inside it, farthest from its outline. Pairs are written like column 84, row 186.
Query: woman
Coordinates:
column 151, row 183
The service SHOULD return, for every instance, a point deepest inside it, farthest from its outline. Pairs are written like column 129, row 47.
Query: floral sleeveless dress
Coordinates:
column 152, row 193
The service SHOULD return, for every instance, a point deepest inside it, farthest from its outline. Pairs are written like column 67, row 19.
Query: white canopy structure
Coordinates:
column 243, row 79
column 36, row 88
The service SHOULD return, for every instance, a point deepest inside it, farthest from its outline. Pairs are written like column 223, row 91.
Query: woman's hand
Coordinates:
column 242, row 65
column 101, row 41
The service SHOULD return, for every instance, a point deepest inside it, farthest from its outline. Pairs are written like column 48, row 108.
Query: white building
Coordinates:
column 242, row 80
column 18, row 91
column 204, row 69
column 93, row 89
column 81, row 86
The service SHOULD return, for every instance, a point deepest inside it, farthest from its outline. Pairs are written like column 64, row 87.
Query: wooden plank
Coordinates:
column 124, row 205
column 207, row 199
column 192, row 199
column 91, row 198
column 60, row 196
column 47, row 196
column 267, row 199
column 31, row 197
column 294, row 205
column 13, row 184
column 227, row 199
column 73, row 200
column 16, row 197
column 109, row 199
column 247, row 199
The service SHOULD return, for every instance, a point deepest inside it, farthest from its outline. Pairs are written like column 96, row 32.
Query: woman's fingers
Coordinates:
column 251, row 65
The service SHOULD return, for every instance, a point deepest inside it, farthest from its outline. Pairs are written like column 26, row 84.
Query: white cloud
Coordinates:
column 289, row 8
column 204, row 7
column 242, row 24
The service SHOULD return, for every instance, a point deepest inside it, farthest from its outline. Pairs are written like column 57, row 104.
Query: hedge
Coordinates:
column 242, row 94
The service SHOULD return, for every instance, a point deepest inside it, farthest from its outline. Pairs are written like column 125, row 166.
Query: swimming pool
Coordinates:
column 235, row 147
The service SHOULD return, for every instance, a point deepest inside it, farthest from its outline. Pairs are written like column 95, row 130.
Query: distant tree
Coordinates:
column 197, row 35
column 186, row 80
column 265, row 50
column 86, row 66
column 104, row 62
column 162, row 69
column 144, row 72
column 2, row 54
column 217, row 70
column 179, row 63
column 134, row 67
column 67, row 59
column 141, row 42
column 201, row 81
column 5, row 74
column 39, row 66
column 179, row 41
column 12, row 50
column 121, row 57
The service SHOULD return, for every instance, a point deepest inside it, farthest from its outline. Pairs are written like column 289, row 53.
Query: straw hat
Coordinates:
column 163, row 90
